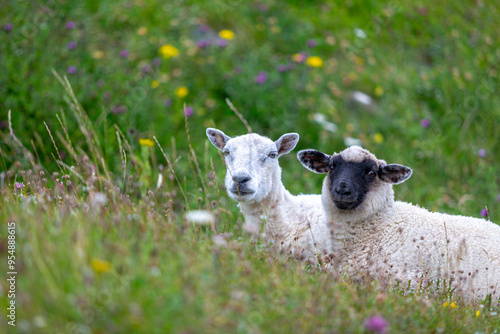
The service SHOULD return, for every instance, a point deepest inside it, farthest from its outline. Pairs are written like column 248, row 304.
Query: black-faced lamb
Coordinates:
column 403, row 241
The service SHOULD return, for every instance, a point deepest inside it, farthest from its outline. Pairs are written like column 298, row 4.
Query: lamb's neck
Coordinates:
column 270, row 211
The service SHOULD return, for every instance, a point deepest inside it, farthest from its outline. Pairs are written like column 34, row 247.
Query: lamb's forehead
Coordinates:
column 251, row 141
column 358, row 154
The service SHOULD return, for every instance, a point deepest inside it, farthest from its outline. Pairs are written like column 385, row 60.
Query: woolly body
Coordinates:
column 409, row 243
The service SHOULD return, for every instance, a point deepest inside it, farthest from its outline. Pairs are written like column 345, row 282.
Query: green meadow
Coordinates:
column 103, row 111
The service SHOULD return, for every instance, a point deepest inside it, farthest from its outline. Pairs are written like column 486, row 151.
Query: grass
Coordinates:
column 99, row 166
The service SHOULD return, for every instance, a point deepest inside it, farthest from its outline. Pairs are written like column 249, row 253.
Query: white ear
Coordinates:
column 217, row 138
column 286, row 143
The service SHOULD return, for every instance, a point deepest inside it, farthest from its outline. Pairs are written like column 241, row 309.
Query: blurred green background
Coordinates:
column 103, row 246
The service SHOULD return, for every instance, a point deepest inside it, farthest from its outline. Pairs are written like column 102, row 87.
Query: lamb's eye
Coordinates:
column 372, row 173
column 273, row 155
column 226, row 153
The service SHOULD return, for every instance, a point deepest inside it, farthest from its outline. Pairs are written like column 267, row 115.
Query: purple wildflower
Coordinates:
column 261, row 78
column 498, row 198
column 481, row 153
column 72, row 45
column 189, row 111
column 222, row 43
column 204, row 28
column 484, row 212
column 70, row 25
column 71, row 69
column 237, row 70
column 8, row 27
column 282, row 68
column 18, row 185
column 167, row 102
column 425, row 123
column 156, row 62
column 124, row 53
column 3, row 125
column 202, row 43
column 100, row 83
column 311, row 43
column 376, row 324
column 119, row 109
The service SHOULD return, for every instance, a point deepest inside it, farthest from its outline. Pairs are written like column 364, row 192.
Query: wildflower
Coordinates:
column 314, row 61
column 376, row 324
column 142, row 31
column 299, row 57
column 498, row 198
column 237, row 70
column 167, row 102
column 222, row 43
column 484, row 212
column 478, row 313
column 18, row 185
column 155, row 84
column 182, row 91
column 204, row 28
column 445, row 305
column 379, row 91
column 156, row 62
column 70, row 25
column 378, row 138
column 71, row 69
column 261, row 78
column 146, row 142
column 202, row 43
column 121, row 109
column 453, row 305
column 282, row 68
column 98, row 54
column 481, row 153
column 100, row 266
column 425, row 123
column 188, row 111
column 8, row 27
column 168, row 51
column 311, row 43
column 201, row 217
column 360, row 33
column 71, row 45
column 124, row 53
column 226, row 34
column 362, row 98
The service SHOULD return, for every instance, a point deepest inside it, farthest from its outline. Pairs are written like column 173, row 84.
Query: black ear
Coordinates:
column 286, row 143
column 315, row 161
column 217, row 137
column 394, row 173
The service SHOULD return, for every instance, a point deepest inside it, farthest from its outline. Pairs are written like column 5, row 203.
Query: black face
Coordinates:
column 349, row 182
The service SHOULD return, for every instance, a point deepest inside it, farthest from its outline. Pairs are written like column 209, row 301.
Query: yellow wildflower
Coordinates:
column 155, row 84
column 169, row 51
column 182, row 91
column 100, row 266
column 453, row 305
column 379, row 91
column 478, row 313
column 97, row 54
column 314, row 61
column 142, row 31
column 146, row 142
column 445, row 305
column 378, row 138
column 226, row 34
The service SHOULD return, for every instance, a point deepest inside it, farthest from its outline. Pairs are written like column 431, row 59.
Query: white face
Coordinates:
column 251, row 162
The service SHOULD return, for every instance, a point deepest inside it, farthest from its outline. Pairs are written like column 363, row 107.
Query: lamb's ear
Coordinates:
column 286, row 143
column 394, row 173
column 217, row 137
column 315, row 161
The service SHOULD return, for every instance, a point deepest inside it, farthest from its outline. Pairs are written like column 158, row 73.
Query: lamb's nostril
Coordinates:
column 241, row 179
column 342, row 189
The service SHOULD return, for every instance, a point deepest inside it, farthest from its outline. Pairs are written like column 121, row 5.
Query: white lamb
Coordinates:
column 403, row 241
column 253, row 178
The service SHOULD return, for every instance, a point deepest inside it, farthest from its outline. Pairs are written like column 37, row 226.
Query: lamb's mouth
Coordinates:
column 345, row 204
column 241, row 192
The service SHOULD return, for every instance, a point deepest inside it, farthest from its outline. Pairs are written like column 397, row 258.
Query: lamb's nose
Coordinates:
column 342, row 189
column 241, row 179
